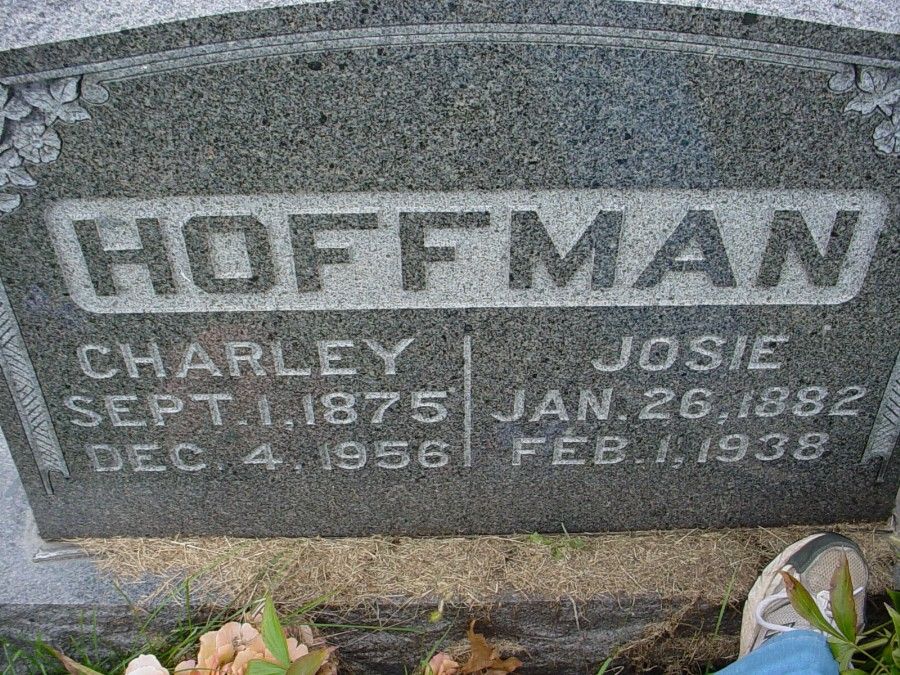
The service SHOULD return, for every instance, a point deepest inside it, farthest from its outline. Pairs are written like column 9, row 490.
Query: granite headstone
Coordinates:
column 440, row 267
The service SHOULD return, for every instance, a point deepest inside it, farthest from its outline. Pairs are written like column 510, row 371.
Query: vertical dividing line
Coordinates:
column 467, row 401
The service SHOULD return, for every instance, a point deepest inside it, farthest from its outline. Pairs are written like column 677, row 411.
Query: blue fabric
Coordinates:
column 797, row 652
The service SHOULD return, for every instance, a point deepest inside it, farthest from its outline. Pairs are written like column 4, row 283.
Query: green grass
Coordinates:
column 726, row 598
column 176, row 644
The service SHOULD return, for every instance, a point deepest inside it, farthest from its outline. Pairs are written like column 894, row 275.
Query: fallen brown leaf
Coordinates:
column 484, row 659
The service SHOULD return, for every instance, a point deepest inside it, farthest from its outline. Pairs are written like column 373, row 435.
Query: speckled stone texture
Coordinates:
column 216, row 381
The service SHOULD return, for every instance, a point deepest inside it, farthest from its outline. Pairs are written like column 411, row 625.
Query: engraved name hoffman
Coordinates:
column 471, row 249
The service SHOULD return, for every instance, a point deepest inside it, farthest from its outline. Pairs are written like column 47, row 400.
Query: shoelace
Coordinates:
column 822, row 598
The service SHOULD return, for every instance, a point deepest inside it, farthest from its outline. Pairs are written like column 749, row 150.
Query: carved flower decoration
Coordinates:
column 877, row 90
column 27, row 112
column 887, row 135
column 11, row 107
column 35, row 142
column 844, row 80
column 12, row 171
column 57, row 100
column 9, row 201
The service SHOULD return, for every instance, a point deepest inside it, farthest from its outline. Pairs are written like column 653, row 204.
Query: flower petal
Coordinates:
column 887, row 136
column 72, row 112
column 93, row 92
column 9, row 159
column 843, row 81
column 16, row 108
column 207, row 654
column 186, row 668
column 145, row 664
column 48, row 154
column 31, row 154
column 65, row 90
column 864, row 104
column 52, row 139
column 20, row 176
column 9, row 201
column 228, row 634
column 295, row 649
column 39, row 96
column 872, row 80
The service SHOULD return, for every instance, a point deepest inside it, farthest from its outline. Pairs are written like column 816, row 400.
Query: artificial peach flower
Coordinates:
column 442, row 664
column 219, row 648
column 145, row 664
column 229, row 650
column 257, row 650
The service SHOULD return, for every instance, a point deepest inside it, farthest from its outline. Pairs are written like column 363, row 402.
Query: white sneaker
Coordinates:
column 813, row 561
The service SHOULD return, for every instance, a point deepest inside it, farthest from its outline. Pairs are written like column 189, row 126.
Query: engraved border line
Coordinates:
column 435, row 34
column 23, row 384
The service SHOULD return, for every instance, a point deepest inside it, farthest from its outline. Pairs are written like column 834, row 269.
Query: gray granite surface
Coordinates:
column 34, row 22
column 875, row 15
column 348, row 267
column 71, row 582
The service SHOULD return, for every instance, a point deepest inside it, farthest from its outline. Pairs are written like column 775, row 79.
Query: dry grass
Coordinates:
column 469, row 570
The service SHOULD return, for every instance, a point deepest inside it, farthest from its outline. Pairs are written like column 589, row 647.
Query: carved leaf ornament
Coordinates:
column 877, row 92
column 27, row 137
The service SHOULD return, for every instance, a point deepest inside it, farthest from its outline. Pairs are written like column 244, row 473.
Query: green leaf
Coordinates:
column 806, row 607
column 895, row 598
column 273, row 635
column 605, row 666
column 843, row 654
column 309, row 664
column 71, row 666
column 843, row 609
column 260, row 667
column 895, row 618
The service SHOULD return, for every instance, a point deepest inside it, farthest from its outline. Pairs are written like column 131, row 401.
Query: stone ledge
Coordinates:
column 648, row 622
